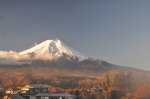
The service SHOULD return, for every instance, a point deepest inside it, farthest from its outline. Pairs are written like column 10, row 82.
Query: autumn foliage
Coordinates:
column 109, row 85
column 143, row 91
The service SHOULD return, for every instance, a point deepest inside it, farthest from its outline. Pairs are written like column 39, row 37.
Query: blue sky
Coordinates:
column 117, row 31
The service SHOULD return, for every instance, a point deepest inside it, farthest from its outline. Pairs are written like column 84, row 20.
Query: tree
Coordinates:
column 76, row 92
column 116, row 94
column 143, row 91
column 88, row 83
column 124, row 82
column 107, row 82
column 16, row 81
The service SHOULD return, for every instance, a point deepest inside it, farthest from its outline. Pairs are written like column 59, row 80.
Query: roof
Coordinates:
column 36, row 86
column 16, row 96
column 55, row 95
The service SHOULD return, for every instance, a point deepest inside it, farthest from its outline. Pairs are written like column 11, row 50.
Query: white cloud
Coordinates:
column 15, row 58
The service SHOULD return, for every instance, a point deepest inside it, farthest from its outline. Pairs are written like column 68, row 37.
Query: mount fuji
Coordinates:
column 56, row 48
column 56, row 54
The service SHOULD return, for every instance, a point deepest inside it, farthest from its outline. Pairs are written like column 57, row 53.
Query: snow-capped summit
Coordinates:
column 55, row 54
column 56, row 47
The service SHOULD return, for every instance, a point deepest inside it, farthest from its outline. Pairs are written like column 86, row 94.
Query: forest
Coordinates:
column 107, row 85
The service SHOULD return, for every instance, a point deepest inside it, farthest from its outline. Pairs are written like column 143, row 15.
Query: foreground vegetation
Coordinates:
column 109, row 85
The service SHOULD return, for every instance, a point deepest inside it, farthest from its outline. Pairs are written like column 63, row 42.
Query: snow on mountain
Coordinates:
column 55, row 47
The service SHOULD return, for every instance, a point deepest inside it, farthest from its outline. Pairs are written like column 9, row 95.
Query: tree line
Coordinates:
column 109, row 85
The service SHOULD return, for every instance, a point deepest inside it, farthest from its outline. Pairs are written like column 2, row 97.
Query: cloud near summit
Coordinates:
column 13, row 57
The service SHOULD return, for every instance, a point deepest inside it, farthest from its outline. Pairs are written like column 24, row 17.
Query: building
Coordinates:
column 13, row 96
column 54, row 96
column 29, row 91
column 38, row 91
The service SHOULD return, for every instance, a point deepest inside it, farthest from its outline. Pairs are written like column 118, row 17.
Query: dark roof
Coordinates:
column 16, row 96
column 55, row 95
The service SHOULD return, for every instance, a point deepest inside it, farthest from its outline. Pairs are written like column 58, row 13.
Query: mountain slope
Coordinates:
column 55, row 47
column 56, row 54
